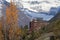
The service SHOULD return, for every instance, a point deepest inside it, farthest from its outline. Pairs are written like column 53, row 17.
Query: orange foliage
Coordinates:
column 1, row 30
column 11, row 14
column 12, row 21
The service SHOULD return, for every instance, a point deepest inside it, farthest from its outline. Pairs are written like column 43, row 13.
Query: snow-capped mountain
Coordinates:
column 45, row 9
column 0, row 7
column 34, row 15
column 27, row 13
column 39, row 5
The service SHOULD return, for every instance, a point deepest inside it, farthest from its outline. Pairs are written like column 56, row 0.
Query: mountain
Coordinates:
column 43, row 15
column 53, row 11
column 38, row 5
column 40, row 9
column 2, row 8
column 26, row 15
column 54, row 23
column 23, row 19
column 6, row 3
column 57, row 17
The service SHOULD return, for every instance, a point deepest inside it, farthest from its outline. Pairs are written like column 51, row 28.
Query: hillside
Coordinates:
column 52, row 29
column 54, row 25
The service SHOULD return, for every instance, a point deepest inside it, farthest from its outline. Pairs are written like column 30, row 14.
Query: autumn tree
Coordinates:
column 12, row 22
column 1, row 29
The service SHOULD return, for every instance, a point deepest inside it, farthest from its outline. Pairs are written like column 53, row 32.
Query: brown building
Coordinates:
column 37, row 24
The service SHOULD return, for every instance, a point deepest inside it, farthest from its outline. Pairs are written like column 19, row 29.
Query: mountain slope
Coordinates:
column 54, row 24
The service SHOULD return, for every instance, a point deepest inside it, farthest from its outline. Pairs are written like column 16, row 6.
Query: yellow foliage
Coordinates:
column 1, row 30
column 12, row 22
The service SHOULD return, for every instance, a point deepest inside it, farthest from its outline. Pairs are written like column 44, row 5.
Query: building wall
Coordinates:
column 35, row 24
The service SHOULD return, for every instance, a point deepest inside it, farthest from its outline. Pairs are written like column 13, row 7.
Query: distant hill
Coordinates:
column 54, row 24
column 57, row 17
